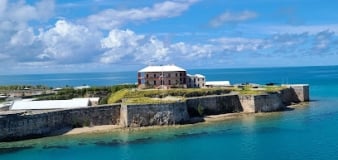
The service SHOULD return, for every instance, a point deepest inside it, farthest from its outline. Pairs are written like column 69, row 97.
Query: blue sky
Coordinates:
column 42, row 36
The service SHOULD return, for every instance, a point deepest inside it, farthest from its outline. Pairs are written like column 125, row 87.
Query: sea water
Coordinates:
column 307, row 132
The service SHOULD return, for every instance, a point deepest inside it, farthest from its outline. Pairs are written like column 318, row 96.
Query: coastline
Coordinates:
column 206, row 120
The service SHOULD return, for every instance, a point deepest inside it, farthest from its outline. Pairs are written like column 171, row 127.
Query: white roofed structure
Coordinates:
column 50, row 104
column 164, row 76
column 164, row 68
column 217, row 83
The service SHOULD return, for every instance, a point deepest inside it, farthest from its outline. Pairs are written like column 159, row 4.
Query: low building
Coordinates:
column 212, row 84
column 166, row 76
column 195, row 81
column 53, row 104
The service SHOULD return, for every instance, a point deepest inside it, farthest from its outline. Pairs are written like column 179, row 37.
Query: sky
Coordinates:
column 57, row 36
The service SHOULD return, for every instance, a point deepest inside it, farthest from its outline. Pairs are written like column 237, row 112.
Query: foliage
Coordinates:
column 102, row 92
column 23, row 87
column 117, row 96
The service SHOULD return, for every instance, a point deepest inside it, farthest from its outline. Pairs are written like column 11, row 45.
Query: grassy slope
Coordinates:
column 139, row 96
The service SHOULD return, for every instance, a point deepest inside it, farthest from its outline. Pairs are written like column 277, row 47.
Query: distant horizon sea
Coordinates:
column 308, row 132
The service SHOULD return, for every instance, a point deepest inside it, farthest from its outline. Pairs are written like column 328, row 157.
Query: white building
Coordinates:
column 211, row 84
column 166, row 76
column 53, row 104
column 195, row 81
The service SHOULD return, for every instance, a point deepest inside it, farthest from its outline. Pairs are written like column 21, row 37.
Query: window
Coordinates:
column 147, row 75
column 154, row 75
column 154, row 82
column 176, row 74
column 169, row 82
column 168, row 75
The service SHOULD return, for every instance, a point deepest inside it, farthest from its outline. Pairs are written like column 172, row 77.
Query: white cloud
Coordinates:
column 192, row 51
column 3, row 6
column 311, row 29
column 125, row 43
column 232, row 17
column 120, row 38
column 23, row 37
column 69, row 43
column 111, row 18
column 152, row 51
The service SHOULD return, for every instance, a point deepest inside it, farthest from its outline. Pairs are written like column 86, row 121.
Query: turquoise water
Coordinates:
column 308, row 132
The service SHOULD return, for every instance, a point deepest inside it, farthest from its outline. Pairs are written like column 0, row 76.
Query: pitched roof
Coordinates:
column 165, row 68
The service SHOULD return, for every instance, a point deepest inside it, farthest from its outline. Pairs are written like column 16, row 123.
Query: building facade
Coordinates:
column 166, row 76
column 195, row 81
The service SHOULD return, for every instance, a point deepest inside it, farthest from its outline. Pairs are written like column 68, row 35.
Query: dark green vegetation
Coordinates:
column 23, row 87
column 147, row 96
column 102, row 92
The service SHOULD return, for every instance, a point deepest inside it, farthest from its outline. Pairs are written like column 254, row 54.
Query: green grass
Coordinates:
column 273, row 88
column 150, row 95
column 248, row 90
column 147, row 100
column 146, row 95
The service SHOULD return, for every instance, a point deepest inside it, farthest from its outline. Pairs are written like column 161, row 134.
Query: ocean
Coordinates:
column 307, row 132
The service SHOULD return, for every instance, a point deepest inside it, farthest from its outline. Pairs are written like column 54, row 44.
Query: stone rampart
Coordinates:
column 30, row 125
column 136, row 115
column 261, row 103
column 212, row 105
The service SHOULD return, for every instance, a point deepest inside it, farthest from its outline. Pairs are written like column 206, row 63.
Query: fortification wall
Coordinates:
column 31, row 125
column 136, row 115
column 261, row 103
column 25, row 126
column 211, row 105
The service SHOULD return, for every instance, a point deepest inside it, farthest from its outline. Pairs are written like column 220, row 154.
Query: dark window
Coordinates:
column 154, row 82
column 168, row 74
column 169, row 83
column 147, row 76
column 176, row 74
column 154, row 75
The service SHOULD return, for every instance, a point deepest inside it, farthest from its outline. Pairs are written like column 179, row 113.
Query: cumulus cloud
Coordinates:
column 69, row 43
column 79, row 43
column 16, row 36
column 125, row 43
column 232, row 17
column 112, row 18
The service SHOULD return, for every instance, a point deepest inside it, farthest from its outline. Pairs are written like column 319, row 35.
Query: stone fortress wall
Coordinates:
column 26, row 125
